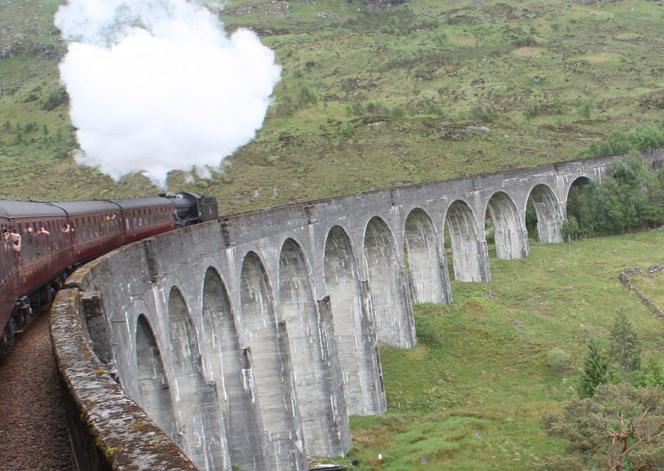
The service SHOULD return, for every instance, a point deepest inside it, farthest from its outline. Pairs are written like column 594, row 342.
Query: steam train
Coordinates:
column 43, row 241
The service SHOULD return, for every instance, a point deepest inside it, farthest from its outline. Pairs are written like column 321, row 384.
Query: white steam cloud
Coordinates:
column 158, row 85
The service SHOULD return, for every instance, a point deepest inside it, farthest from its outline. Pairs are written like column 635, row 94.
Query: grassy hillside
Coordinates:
column 371, row 97
column 471, row 395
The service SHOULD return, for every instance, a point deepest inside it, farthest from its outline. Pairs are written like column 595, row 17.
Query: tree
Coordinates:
column 625, row 344
column 595, row 370
column 621, row 427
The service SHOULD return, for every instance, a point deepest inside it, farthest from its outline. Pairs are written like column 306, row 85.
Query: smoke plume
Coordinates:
column 158, row 85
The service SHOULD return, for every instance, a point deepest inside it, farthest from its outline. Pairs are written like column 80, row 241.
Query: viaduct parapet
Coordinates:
column 250, row 340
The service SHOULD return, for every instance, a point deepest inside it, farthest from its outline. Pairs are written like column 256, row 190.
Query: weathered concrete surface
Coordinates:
column 250, row 340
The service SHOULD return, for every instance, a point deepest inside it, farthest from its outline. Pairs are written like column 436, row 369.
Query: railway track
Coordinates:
column 33, row 430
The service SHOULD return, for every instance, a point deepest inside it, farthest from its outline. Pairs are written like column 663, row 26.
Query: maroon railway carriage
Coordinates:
column 39, row 260
column 55, row 236
column 93, row 227
column 145, row 217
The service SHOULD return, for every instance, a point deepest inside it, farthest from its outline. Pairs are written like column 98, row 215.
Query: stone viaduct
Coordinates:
column 250, row 340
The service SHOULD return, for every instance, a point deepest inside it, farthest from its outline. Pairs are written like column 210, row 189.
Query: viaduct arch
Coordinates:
column 250, row 340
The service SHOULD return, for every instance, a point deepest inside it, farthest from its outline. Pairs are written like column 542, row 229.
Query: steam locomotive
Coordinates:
column 43, row 241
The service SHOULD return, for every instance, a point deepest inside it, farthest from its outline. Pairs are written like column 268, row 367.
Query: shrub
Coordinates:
column 558, row 360
column 31, row 127
column 651, row 375
column 571, row 229
column 346, row 129
column 485, row 114
column 585, row 110
column 397, row 113
column 427, row 330
column 55, row 99
column 524, row 41
column 307, row 97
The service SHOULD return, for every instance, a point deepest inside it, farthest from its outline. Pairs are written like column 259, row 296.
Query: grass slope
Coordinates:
column 471, row 395
column 370, row 98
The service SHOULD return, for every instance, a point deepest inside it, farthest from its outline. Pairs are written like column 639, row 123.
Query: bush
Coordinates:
column 427, row 330
column 651, row 375
column 55, row 99
column 485, row 114
column 346, row 129
column 571, row 229
column 585, row 110
column 31, row 127
column 397, row 113
column 558, row 360
column 307, row 97
column 524, row 41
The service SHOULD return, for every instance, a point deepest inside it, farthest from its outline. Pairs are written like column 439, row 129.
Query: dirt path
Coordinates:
column 33, row 432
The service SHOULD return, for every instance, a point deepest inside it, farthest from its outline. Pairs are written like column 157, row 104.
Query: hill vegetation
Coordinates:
column 371, row 96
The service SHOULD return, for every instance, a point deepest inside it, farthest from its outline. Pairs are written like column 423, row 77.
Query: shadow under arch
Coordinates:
column 391, row 302
column 424, row 260
column 548, row 212
column 578, row 212
column 152, row 381
column 511, row 236
column 268, row 356
column 200, row 429
column 578, row 182
column 225, row 359
column 469, row 254
column 358, row 354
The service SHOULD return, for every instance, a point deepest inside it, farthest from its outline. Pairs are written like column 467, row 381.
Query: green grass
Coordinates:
column 472, row 394
column 372, row 99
